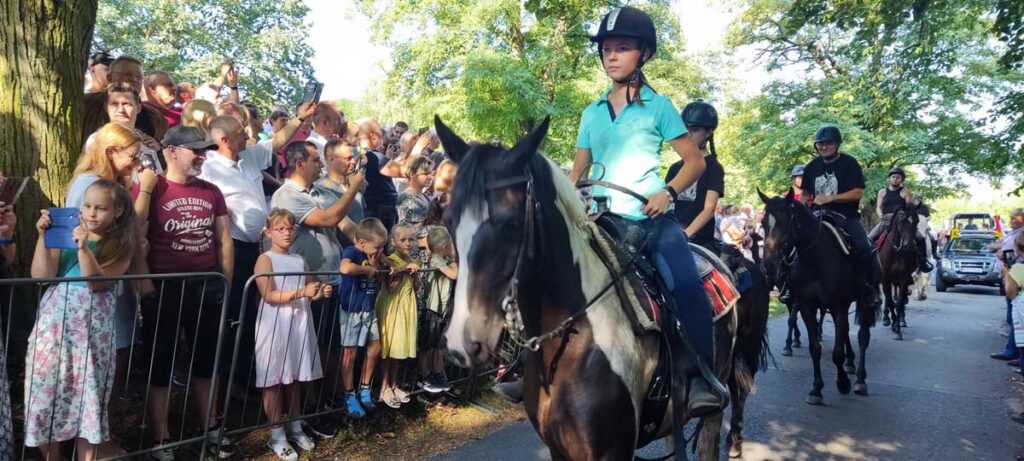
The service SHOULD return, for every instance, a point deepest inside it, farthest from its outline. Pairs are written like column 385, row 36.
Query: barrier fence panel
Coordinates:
column 292, row 342
column 159, row 359
column 99, row 362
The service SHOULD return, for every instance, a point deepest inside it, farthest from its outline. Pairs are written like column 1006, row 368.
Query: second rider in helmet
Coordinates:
column 695, row 205
column 624, row 131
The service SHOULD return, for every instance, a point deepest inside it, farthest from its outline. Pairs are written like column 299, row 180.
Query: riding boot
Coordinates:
column 701, row 400
column 510, row 390
column 785, row 294
column 872, row 296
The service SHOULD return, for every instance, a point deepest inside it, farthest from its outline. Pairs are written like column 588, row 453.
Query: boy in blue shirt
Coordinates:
column 359, row 264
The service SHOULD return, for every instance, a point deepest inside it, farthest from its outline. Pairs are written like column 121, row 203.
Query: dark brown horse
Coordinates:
column 526, row 263
column 821, row 278
column 898, row 256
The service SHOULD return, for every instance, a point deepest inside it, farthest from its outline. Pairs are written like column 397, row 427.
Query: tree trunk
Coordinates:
column 45, row 46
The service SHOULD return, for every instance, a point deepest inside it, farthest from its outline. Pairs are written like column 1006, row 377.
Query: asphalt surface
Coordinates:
column 934, row 396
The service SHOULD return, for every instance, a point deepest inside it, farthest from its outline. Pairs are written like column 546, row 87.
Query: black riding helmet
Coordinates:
column 700, row 114
column 628, row 22
column 899, row 171
column 828, row 133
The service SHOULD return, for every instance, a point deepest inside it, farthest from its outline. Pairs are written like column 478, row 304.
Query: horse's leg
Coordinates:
column 814, row 346
column 860, row 387
column 899, row 291
column 887, row 292
column 710, row 438
column 842, row 324
column 795, row 324
column 851, row 356
column 793, row 332
column 905, row 299
column 739, row 401
column 821, row 325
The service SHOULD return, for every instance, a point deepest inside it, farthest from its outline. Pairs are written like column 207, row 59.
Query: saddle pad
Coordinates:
column 839, row 237
column 881, row 240
column 721, row 293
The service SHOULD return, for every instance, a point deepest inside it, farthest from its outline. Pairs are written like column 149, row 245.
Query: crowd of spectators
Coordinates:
column 177, row 178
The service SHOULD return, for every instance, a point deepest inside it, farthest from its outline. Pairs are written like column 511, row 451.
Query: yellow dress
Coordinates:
column 396, row 316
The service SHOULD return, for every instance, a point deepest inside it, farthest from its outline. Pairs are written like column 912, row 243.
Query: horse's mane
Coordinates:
column 567, row 196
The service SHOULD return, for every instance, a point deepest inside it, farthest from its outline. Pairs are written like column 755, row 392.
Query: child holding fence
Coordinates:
column 286, row 347
column 396, row 314
column 436, row 307
column 69, row 366
column 357, row 317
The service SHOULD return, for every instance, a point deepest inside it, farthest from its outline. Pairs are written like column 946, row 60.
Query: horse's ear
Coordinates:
column 764, row 198
column 524, row 149
column 453, row 145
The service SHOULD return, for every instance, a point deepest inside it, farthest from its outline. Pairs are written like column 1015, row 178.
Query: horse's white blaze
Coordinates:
column 469, row 223
column 771, row 224
column 612, row 331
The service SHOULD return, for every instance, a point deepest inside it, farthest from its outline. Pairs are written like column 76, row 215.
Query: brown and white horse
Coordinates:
column 525, row 259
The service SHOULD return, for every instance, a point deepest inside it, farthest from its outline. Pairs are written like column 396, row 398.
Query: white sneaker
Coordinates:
column 301, row 440
column 283, row 450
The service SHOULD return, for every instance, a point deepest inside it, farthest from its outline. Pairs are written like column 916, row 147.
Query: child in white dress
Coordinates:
column 286, row 347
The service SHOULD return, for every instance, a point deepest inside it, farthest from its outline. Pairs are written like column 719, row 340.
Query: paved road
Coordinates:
column 934, row 396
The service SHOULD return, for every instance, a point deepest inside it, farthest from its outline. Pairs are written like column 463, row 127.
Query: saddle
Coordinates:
column 833, row 222
column 622, row 246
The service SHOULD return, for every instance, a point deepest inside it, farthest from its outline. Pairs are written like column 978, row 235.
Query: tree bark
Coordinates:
column 45, row 46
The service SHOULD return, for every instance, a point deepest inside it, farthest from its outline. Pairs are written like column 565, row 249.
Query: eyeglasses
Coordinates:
column 284, row 229
column 196, row 152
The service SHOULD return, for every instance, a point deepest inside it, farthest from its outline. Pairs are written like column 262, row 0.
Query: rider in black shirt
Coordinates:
column 695, row 206
column 836, row 181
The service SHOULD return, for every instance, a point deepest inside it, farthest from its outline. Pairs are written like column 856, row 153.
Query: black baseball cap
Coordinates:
column 101, row 57
column 187, row 137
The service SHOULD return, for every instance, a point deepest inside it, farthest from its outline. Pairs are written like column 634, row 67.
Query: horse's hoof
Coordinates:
column 843, row 385
column 886, row 322
column 860, row 389
column 797, row 343
column 787, row 352
column 903, row 323
column 850, row 369
column 736, row 451
column 898, row 336
column 815, row 400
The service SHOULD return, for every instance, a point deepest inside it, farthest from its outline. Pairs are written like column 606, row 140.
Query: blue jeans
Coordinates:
column 671, row 254
column 1011, row 343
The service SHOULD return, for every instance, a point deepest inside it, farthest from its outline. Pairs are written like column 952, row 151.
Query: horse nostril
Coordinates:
column 473, row 349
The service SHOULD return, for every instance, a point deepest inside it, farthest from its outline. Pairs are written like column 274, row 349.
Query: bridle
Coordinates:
column 789, row 251
column 527, row 250
column 898, row 242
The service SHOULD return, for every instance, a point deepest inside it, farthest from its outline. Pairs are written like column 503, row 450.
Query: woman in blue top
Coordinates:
column 623, row 131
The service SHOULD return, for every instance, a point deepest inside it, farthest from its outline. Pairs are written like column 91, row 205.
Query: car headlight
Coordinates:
column 946, row 264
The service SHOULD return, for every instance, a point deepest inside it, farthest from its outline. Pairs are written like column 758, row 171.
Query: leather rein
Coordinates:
column 527, row 251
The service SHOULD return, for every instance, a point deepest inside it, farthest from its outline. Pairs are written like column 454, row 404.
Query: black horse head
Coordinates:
column 510, row 216
column 902, row 232
column 785, row 222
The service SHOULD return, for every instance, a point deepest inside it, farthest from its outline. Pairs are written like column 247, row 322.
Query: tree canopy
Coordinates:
column 910, row 83
column 494, row 68
column 191, row 38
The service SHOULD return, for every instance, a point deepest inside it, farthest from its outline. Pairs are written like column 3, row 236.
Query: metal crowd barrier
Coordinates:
column 245, row 413
column 130, row 391
column 240, row 406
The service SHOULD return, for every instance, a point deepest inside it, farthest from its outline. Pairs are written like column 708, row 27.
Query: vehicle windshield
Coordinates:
column 969, row 245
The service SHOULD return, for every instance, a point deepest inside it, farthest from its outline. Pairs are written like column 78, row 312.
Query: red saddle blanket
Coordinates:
column 881, row 240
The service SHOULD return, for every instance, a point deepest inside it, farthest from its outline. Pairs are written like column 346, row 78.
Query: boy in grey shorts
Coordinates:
column 356, row 315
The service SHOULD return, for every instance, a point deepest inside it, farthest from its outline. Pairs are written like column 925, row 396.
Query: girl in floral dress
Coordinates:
column 69, row 367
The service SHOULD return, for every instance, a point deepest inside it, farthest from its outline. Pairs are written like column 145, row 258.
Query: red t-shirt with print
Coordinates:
column 182, row 229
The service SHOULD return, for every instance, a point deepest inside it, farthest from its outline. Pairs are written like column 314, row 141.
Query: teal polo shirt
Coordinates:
column 629, row 146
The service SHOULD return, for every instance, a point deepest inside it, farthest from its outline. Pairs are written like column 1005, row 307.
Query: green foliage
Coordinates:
column 909, row 82
column 495, row 68
column 190, row 38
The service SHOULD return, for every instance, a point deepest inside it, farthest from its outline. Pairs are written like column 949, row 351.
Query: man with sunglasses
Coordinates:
column 99, row 64
column 188, row 230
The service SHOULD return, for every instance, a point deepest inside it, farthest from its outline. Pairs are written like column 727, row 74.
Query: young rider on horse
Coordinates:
column 891, row 199
column 623, row 131
column 695, row 206
column 796, row 183
column 836, row 183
